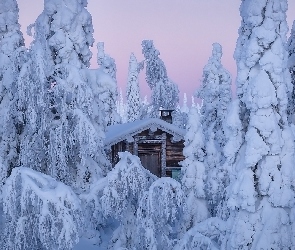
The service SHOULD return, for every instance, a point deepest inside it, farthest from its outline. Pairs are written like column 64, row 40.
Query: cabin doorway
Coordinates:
column 152, row 153
column 151, row 161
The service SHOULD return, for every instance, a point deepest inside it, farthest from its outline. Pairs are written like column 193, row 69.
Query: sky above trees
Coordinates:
column 183, row 32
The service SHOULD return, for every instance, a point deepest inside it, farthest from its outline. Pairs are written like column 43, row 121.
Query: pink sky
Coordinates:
column 183, row 32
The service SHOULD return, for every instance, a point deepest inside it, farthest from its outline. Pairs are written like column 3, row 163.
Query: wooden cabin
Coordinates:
column 158, row 143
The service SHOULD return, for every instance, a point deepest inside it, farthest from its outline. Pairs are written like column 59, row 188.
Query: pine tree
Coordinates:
column 193, row 172
column 12, row 56
column 164, row 91
column 215, row 92
column 133, row 92
column 262, row 183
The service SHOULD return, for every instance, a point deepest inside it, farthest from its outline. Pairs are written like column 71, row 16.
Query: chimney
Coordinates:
column 166, row 115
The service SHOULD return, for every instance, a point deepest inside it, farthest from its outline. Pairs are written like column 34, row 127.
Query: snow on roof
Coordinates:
column 125, row 131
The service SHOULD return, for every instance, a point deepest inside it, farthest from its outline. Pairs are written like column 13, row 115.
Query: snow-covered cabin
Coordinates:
column 158, row 144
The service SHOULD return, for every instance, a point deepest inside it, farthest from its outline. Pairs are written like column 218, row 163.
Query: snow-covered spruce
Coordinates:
column 164, row 91
column 75, row 128
column 122, row 107
column 262, row 183
column 107, row 64
column 215, row 92
column 40, row 212
column 12, row 56
column 32, row 105
column 126, row 184
column 179, row 118
column 134, row 106
column 193, row 173
column 184, row 108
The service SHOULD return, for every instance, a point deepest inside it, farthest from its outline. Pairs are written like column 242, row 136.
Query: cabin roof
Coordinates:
column 126, row 131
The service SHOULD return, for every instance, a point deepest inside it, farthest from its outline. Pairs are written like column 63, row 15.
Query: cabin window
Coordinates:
column 176, row 174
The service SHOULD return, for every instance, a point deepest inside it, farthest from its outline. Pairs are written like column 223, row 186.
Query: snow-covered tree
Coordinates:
column 12, row 56
column 179, row 118
column 107, row 64
column 184, row 108
column 159, row 215
column 40, row 212
column 121, row 107
column 215, row 92
column 193, row 172
column 126, row 184
column 106, row 61
column 180, row 114
column 291, row 66
column 146, row 108
column 262, row 183
column 74, row 146
column 134, row 106
column 193, row 102
column 33, row 106
column 164, row 91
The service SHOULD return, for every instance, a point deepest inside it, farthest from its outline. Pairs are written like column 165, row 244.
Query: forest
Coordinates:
column 58, row 189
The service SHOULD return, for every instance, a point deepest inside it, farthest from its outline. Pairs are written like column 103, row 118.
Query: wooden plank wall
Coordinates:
column 174, row 150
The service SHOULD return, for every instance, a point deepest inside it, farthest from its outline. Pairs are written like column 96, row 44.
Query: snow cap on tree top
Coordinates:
column 217, row 51
column 148, row 48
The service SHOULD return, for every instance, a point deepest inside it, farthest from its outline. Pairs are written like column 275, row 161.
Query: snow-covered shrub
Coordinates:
column 92, row 211
column 126, row 184
column 40, row 212
column 193, row 172
column 194, row 240
column 159, row 215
